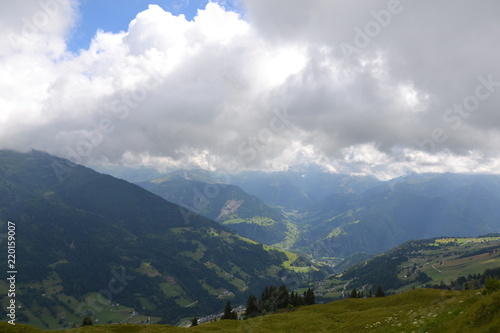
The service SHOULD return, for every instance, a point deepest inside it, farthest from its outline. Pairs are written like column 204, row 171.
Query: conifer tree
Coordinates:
column 252, row 309
column 228, row 310
column 87, row 321
column 380, row 292
column 283, row 297
column 309, row 298
column 229, row 313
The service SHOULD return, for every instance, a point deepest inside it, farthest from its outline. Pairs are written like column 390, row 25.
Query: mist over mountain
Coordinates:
column 298, row 188
column 413, row 207
column 339, row 215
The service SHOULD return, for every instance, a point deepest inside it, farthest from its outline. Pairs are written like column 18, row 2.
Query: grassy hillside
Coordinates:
column 421, row 310
column 444, row 262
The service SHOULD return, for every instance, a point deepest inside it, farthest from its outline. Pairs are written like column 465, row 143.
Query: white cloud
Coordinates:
column 35, row 26
column 267, row 90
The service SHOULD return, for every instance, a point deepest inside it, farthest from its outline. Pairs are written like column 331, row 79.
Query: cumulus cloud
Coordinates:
column 366, row 87
column 36, row 26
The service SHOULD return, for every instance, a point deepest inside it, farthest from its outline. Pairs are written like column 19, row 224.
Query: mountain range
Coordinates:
column 328, row 215
column 297, row 189
column 85, row 237
column 181, row 244
column 412, row 207
column 228, row 204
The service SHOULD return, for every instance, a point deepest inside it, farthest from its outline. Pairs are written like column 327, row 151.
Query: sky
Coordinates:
column 114, row 16
column 372, row 87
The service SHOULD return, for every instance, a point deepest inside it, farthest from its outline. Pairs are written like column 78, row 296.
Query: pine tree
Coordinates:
column 252, row 309
column 309, row 298
column 354, row 293
column 265, row 294
column 194, row 322
column 283, row 297
column 380, row 292
column 87, row 321
column 293, row 299
column 229, row 313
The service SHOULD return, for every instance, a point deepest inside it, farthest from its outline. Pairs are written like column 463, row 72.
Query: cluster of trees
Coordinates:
column 229, row 313
column 491, row 285
column 472, row 281
column 382, row 270
column 272, row 299
column 488, row 250
column 360, row 294
column 87, row 321
column 275, row 298
column 421, row 277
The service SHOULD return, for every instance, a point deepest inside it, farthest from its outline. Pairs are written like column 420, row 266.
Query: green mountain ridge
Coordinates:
column 227, row 204
column 444, row 262
column 84, row 237
column 414, row 207
column 330, row 217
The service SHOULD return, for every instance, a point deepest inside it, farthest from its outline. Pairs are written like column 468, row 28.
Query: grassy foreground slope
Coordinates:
column 421, row 310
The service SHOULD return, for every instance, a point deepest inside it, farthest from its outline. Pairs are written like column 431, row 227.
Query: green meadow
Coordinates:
column 420, row 310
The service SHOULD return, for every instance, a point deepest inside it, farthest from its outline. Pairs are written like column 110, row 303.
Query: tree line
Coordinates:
column 274, row 298
column 271, row 300
column 360, row 294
